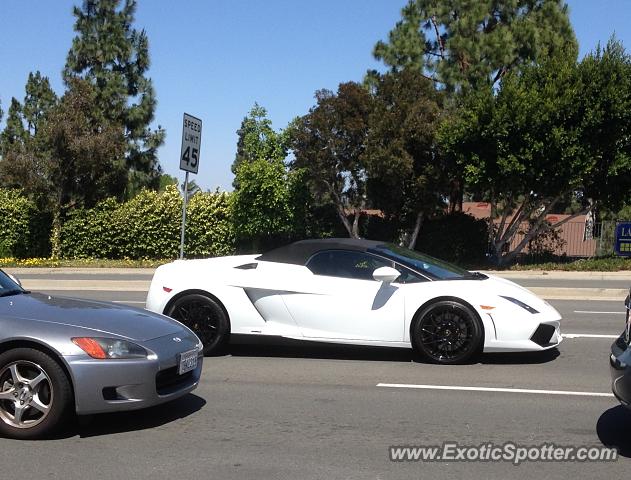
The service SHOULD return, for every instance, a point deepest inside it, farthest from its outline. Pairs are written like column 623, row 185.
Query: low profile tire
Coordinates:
column 35, row 394
column 205, row 317
column 447, row 332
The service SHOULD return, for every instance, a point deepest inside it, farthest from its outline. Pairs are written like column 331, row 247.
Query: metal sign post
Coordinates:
column 189, row 161
column 184, row 202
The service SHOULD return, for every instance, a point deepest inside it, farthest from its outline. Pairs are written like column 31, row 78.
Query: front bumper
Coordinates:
column 620, row 368
column 117, row 385
column 531, row 338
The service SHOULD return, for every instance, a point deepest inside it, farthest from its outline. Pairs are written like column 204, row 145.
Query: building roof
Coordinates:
column 299, row 252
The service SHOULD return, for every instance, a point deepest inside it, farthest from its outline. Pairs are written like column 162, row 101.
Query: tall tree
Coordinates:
column 258, row 140
column 407, row 176
column 557, row 133
column 14, row 134
column 471, row 44
column 329, row 143
column 114, row 56
column 265, row 207
column 39, row 99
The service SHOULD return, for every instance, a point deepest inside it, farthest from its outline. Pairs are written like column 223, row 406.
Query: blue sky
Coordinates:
column 215, row 58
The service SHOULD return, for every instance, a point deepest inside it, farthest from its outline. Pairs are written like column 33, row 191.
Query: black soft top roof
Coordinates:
column 299, row 252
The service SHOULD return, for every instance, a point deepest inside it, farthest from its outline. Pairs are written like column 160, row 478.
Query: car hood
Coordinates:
column 102, row 317
column 505, row 287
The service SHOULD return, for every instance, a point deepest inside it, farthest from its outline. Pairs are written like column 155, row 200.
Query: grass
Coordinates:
column 80, row 263
column 603, row 264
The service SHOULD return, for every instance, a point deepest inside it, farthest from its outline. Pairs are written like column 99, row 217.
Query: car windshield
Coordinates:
column 432, row 267
column 8, row 286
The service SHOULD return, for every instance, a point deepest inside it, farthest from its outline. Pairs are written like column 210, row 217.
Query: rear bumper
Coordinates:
column 117, row 385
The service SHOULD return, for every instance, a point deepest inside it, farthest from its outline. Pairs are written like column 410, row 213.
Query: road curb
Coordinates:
column 562, row 293
column 83, row 285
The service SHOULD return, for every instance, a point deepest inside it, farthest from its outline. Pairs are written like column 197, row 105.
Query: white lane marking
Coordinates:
column 128, row 301
column 601, row 313
column 587, row 335
column 492, row 389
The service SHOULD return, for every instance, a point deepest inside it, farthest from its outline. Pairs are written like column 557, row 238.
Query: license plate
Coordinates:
column 188, row 361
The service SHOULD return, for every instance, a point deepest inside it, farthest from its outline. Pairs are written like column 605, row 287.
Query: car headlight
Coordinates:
column 109, row 348
column 521, row 304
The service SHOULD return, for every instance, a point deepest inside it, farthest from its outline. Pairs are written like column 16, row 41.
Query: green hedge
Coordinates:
column 18, row 224
column 148, row 227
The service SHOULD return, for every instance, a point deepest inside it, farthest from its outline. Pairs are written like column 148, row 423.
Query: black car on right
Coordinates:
column 620, row 360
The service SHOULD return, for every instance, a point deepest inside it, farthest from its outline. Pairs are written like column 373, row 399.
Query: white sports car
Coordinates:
column 358, row 292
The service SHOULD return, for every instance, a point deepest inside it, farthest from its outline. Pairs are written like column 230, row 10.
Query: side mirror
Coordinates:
column 15, row 279
column 386, row 274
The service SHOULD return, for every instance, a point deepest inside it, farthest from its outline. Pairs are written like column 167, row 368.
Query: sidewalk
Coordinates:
column 35, row 279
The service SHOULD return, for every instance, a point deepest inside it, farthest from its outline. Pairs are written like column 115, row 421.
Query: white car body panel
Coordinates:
column 287, row 300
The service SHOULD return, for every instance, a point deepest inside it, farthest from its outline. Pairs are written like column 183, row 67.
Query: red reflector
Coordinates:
column 167, row 289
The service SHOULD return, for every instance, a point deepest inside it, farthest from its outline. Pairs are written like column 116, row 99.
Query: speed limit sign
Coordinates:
column 191, row 143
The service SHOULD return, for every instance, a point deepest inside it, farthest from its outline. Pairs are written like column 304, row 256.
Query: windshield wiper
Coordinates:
column 476, row 276
column 14, row 291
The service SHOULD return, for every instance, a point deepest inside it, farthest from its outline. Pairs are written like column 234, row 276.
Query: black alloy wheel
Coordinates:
column 447, row 332
column 204, row 316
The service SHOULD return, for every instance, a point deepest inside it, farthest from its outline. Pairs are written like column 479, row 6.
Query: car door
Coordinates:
column 342, row 300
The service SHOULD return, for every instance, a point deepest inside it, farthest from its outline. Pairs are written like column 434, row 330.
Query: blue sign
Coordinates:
column 622, row 245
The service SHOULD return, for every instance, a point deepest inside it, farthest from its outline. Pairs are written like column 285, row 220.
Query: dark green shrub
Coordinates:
column 457, row 237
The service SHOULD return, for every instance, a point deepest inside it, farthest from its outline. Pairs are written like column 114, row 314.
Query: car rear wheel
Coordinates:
column 204, row 316
column 35, row 394
column 447, row 332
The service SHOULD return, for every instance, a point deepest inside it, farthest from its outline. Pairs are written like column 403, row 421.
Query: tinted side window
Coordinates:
column 346, row 264
column 408, row 276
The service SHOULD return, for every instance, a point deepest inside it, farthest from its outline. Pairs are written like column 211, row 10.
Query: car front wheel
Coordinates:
column 35, row 394
column 447, row 332
column 204, row 316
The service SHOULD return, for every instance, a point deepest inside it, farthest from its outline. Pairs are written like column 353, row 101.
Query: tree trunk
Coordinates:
column 347, row 225
column 358, row 214
column 538, row 227
column 455, row 196
column 55, row 234
column 415, row 232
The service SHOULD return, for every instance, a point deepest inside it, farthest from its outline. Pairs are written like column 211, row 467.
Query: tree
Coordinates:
column 77, row 160
column 556, row 134
column 114, row 57
column 39, row 99
column 165, row 181
column 14, row 134
column 192, row 188
column 264, row 207
column 407, row 176
column 258, row 140
column 472, row 44
column 329, row 143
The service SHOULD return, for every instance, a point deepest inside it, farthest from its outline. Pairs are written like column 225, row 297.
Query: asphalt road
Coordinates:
column 299, row 411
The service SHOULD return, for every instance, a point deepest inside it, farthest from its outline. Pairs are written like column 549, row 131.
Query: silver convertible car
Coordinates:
column 59, row 355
